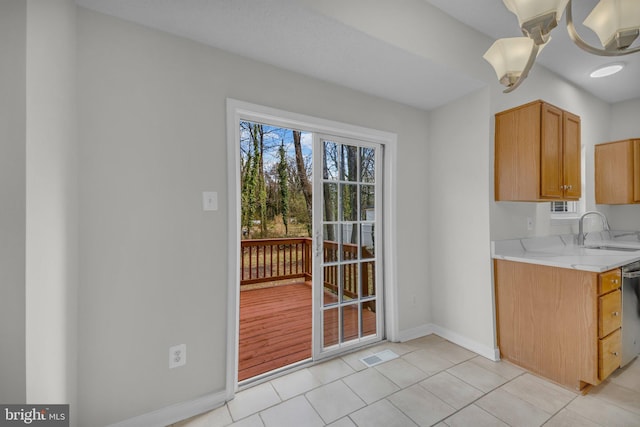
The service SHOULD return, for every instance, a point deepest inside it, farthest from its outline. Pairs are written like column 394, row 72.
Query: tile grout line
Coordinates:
column 567, row 404
column 608, row 381
column 437, row 397
column 400, row 389
column 355, row 371
column 304, row 395
column 482, row 391
column 491, row 391
column 411, row 350
column 429, row 376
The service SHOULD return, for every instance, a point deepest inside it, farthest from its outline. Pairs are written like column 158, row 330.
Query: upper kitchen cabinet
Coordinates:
column 617, row 170
column 537, row 154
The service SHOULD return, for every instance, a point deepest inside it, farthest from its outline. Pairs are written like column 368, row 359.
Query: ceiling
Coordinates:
column 561, row 55
column 290, row 35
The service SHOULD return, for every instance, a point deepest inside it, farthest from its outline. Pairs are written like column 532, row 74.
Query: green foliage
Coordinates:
column 273, row 202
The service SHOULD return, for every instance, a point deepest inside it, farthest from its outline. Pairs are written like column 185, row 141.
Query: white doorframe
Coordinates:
column 239, row 110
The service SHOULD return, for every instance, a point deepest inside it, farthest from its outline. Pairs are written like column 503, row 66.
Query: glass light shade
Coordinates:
column 612, row 16
column 509, row 56
column 527, row 10
column 607, row 70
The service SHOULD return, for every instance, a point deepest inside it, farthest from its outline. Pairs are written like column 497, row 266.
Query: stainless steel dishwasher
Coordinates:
column 630, row 312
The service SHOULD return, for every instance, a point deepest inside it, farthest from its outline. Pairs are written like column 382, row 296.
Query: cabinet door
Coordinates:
column 517, row 153
column 551, row 149
column 609, row 354
column 636, row 170
column 571, row 157
column 614, row 174
column 609, row 313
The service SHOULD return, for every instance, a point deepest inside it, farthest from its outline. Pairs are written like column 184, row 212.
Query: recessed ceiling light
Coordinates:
column 607, row 70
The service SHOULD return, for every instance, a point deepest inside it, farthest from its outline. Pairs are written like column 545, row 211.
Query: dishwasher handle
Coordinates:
column 631, row 274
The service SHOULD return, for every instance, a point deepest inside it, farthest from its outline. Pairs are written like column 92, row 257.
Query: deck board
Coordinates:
column 275, row 327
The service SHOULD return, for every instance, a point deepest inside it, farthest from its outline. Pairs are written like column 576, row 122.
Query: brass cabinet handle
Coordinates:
column 615, row 353
column 615, row 313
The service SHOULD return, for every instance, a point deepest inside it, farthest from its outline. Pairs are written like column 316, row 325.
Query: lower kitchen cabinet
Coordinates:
column 559, row 323
column 610, row 352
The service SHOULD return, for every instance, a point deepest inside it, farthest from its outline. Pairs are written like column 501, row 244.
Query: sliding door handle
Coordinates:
column 318, row 244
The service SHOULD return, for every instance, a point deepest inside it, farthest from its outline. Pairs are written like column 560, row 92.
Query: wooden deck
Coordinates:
column 275, row 327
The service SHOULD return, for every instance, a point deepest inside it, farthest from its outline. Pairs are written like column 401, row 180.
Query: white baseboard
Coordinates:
column 417, row 332
column 174, row 413
column 429, row 328
column 181, row 411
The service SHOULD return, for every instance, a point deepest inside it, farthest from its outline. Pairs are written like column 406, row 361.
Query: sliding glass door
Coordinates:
column 347, row 281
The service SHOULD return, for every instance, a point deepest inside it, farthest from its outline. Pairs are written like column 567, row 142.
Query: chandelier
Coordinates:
column 616, row 23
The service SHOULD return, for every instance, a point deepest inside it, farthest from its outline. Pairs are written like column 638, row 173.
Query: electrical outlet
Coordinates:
column 177, row 355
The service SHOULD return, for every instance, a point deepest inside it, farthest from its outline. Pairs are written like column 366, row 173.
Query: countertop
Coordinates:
column 563, row 250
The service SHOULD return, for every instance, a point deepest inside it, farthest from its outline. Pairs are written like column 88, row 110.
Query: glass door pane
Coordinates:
column 349, row 211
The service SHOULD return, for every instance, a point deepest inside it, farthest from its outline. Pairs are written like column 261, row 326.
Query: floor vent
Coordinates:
column 378, row 358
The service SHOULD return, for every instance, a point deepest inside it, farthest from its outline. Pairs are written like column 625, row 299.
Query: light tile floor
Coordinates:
column 433, row 382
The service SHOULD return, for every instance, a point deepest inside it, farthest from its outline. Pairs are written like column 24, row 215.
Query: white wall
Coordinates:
column 51, row 203
column 463, row 213
column 624, row 120
column 13, row 19
column 459, row 250
column 624, row 125
column 153, row 264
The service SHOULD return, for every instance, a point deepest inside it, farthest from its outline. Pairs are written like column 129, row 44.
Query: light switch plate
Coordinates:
column 209, row 200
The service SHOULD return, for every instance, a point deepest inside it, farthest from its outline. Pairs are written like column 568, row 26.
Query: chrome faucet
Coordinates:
column 581, row 234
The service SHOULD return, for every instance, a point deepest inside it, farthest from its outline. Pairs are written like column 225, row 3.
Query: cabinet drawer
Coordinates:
column 609, row 281
column 609, row 313
column 609, row 354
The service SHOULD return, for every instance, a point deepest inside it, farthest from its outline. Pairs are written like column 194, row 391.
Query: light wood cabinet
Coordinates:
column 610, row 313
column 609, row 354
column 609, row 281
column 617, row 172
column 537, row 154
column 559, row 323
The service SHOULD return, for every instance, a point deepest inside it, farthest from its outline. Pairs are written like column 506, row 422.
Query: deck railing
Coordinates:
column 270, row 260
column 349, row 272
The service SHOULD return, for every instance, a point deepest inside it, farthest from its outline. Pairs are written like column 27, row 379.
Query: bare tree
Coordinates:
column 283, row 183
column 302, row 176
column 263, row 149
column 329, row 164
column 262, row 188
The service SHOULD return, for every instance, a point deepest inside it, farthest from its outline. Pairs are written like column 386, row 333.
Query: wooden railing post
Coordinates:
column 308, row 261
